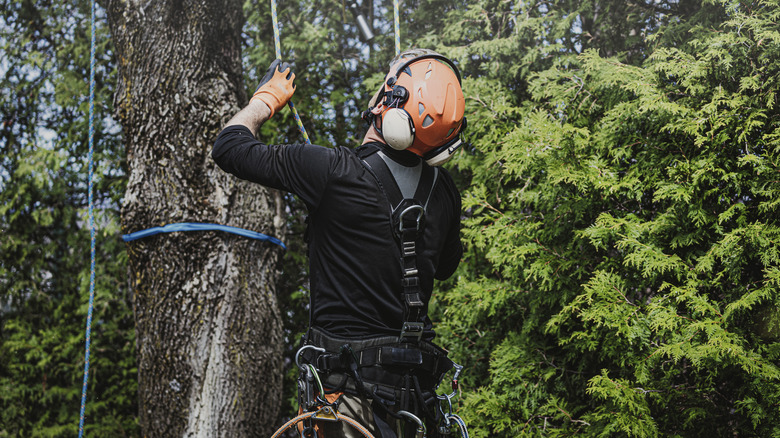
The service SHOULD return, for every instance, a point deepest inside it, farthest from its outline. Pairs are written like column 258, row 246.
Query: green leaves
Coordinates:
column 45, row 243
column 623, row 409
column 621, row 207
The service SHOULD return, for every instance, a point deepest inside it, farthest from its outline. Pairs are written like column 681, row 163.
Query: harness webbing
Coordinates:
column 408, row 220
column 389, row 374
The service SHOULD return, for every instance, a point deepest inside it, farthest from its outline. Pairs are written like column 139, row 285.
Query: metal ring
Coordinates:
column 415, row 418
column 419, row 216
column 306, row 347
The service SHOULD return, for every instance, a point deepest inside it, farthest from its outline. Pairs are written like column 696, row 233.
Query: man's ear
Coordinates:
column 379, row 92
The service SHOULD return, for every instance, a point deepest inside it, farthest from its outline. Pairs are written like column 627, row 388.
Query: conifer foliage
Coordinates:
column 623, row 271
column 44, row 235
column 621, row 192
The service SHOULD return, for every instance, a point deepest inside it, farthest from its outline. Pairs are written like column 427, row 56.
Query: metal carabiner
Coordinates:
column 455, row 386
column 301, row 350
column 421, row 432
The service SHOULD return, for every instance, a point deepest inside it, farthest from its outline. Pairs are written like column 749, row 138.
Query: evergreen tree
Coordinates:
column 44, row 236
column 622, row 272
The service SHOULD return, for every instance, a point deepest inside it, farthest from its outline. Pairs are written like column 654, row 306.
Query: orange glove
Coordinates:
column 276, row 88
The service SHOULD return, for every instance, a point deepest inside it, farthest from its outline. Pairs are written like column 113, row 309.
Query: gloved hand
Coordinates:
column 276, row 88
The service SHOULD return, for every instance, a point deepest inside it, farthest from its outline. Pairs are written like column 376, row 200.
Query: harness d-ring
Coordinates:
column 420, row 213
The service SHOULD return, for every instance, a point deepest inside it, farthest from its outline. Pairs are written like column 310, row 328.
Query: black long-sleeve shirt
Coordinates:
column 355, row 261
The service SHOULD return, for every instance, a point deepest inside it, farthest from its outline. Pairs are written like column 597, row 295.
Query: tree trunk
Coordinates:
column 208, row 328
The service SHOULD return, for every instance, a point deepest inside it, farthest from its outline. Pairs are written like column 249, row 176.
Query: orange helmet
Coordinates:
column 423, row 106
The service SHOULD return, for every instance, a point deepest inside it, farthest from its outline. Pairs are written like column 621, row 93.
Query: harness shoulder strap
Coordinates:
column 408, row 220
column 377, row 166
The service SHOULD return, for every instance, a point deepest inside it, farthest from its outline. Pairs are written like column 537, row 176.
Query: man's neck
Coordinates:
column 404, row 158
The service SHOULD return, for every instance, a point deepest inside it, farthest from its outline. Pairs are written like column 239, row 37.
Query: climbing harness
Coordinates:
column 408, row 221
column 91, row 222
column 380, row 369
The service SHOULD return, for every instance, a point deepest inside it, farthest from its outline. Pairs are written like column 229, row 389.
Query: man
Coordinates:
column 383, row 223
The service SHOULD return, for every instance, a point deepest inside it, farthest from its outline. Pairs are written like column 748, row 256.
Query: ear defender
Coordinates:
column 389, row 118
column 443, row 153
column 398, row 128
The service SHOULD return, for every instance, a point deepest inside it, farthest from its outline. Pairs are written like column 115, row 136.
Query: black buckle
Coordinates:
column 413, row 330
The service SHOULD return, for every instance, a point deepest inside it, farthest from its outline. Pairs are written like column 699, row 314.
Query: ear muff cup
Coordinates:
column 443, row 153
column 398, row 128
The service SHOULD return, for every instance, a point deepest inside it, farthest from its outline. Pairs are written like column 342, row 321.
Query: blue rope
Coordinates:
column 189, row 226
column 91, row 222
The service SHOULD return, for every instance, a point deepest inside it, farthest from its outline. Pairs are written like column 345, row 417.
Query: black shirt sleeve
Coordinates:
column 302, row 169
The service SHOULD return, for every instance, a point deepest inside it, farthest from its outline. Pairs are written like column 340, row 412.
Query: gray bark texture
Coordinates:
column 208, row 329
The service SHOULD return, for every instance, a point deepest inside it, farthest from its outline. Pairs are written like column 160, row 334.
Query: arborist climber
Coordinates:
column 383, row 223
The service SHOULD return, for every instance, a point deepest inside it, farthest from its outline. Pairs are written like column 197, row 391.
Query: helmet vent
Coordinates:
column 449, row 133
column 429, row 72
column 427, row 121
column 421, row 107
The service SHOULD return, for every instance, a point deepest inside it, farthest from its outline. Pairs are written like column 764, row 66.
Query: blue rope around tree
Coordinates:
column 91, row 222
column 194, row 226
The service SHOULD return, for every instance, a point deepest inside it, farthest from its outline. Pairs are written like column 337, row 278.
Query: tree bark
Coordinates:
column 208, row 328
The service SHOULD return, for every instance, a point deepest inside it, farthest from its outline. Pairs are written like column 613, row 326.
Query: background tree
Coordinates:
column 207, row 323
